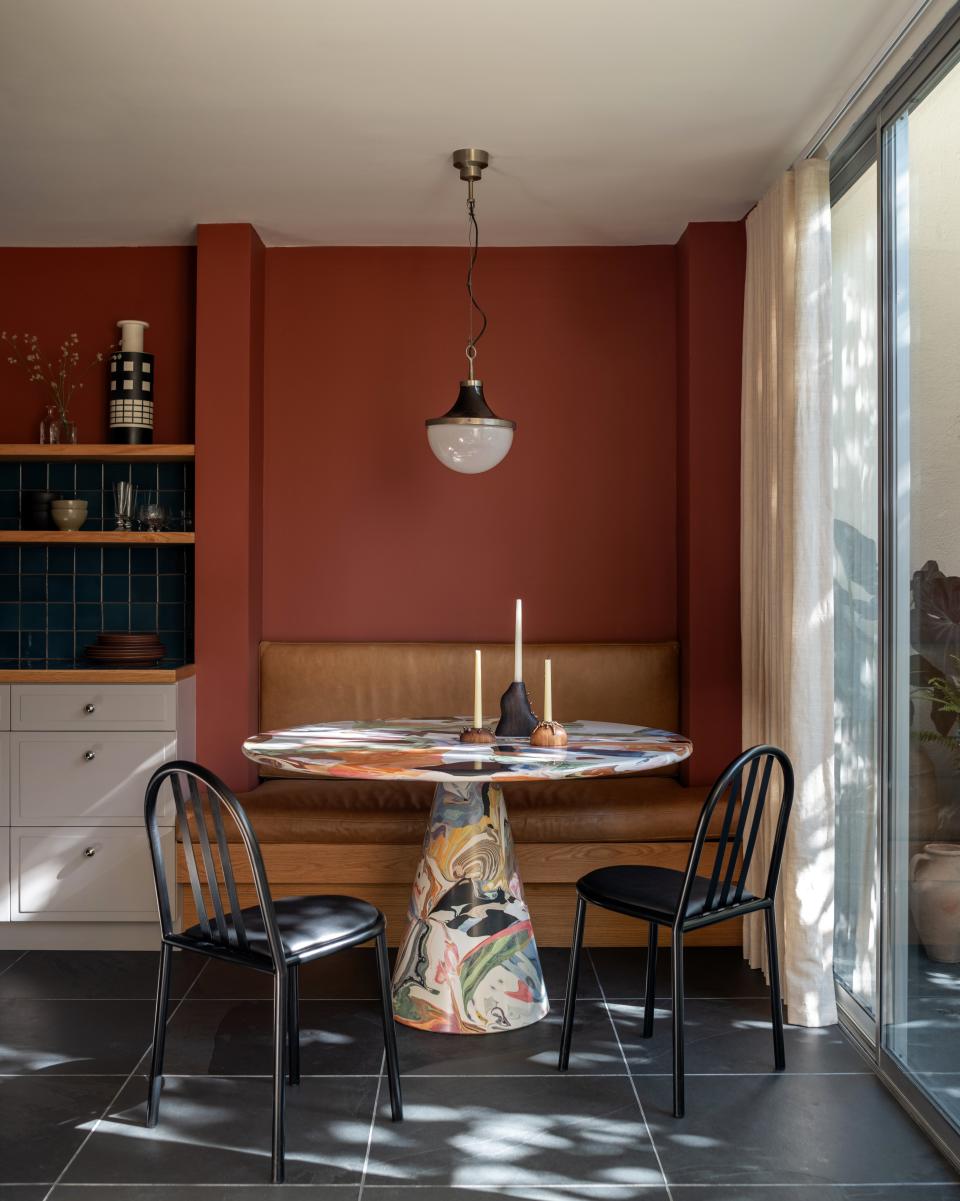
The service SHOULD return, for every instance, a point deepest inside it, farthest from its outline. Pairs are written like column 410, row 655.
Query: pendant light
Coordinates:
column 470, row 438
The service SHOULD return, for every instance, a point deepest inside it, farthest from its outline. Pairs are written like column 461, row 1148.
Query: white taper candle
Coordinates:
column 477, row 692
column 518, row 644
column 547, row 690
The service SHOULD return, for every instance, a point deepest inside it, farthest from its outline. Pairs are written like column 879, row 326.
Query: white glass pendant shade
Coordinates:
column 470, row 438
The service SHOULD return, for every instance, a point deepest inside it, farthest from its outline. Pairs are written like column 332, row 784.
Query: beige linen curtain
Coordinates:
column 786, row 564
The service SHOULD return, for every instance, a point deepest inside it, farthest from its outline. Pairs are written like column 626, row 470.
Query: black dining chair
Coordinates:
column 687, row 901
column 271, row 936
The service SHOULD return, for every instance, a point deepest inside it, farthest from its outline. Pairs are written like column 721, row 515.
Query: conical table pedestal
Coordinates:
column 468, row 963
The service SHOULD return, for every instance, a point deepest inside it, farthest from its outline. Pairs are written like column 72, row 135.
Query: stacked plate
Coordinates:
column 126, row 650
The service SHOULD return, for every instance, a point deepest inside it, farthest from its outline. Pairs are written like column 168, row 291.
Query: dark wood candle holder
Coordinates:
column 548, row 733
column 476, row 734
column 517, row 718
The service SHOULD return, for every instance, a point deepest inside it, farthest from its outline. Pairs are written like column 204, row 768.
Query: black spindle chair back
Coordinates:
column 251, row 936
column 201, row 800
column 688, row 900
column 741, row 794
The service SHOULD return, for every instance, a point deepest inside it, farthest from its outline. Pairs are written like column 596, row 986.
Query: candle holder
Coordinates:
column 548, row 733
column 517, row 718
column 476, row 734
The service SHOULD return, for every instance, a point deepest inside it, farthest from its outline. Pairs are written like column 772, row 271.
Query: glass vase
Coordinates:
column 50, row 426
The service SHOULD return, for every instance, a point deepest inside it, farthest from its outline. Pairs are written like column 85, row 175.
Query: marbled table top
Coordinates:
column 430, row 749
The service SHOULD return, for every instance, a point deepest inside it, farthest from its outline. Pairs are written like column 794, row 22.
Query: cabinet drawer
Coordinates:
column 93, row 706
column 66, row 779
column 91, row 874
column 4, row 779
column 4, row 874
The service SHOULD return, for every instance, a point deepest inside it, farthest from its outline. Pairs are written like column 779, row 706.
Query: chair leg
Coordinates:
column 648, row 1001
column 389, row 1028
column 280, row 1009
column 293, row 1022
column 573, row 975
column 676, row 963
column 776, row 1008
column 159, row 1035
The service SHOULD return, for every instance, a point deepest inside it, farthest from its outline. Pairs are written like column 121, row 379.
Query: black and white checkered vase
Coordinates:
column 130, row 392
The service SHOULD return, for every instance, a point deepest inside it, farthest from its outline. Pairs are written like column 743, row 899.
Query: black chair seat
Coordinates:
column 309, row 926
column 646, row 890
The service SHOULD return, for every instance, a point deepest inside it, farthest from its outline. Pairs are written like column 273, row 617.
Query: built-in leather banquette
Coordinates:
column 306, row 682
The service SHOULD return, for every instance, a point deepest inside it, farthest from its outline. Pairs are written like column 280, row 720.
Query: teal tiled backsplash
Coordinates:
column 54, row 600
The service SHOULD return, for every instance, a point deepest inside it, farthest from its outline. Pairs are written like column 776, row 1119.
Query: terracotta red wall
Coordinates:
column 229, row 569
column 367, row 536
column 711, row 261
column 58, row 291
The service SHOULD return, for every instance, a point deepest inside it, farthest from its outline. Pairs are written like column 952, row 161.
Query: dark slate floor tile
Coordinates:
column 555, row 962
column 74, row 1036
column 529, row 1131
column 45, row 1121
column 530, row 1051
column 234, row 1038
column 203, row 1192
column 118, row 974
column 729, row 1037
column 217, row 1131
column 23, row 1192
column 782, row 1129
column 708, row 972
column 817, row 1192
column 608, row 1192
column 8, row 959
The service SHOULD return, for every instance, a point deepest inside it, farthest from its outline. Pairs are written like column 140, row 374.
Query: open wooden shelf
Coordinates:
column 130, row 537
column 105, row 452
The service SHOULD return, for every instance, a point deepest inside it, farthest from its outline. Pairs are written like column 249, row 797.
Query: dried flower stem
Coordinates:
column 58, row 373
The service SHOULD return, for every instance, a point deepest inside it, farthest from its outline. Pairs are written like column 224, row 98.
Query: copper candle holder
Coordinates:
column 548, row 733
column 476, row 734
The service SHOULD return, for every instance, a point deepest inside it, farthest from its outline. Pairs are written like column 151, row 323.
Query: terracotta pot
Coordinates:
column 935, row 899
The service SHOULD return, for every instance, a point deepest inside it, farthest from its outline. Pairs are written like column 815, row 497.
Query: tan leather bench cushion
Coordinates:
column 305, row 682
column 631, row 809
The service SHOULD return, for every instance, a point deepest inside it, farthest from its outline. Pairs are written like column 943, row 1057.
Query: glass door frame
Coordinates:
column 873, row 140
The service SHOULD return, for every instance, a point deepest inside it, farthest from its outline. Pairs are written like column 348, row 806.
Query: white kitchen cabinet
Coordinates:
column 4, row 782
column 95, row 778
column 93, row 706
column 74, row 764
column 94, row 873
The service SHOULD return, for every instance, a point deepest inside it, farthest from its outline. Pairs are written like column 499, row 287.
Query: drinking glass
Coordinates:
column 152, row 514
column 124, row 504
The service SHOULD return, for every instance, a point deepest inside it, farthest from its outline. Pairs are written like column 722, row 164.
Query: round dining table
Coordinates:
column 468, row 961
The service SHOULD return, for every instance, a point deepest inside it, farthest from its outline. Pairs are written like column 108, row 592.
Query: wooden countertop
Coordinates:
column 94, row 675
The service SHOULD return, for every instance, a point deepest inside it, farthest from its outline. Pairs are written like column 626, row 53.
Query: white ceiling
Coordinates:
column 331, row 121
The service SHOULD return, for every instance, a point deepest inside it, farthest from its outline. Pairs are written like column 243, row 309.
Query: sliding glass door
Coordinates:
column 896, row 434
column 920, row 1031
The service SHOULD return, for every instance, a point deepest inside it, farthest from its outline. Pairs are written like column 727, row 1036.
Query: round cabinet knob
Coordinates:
column 89, row 708
column 89, row 852
column 89, row 755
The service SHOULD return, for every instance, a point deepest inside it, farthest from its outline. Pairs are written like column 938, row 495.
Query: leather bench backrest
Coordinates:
column 306, row 682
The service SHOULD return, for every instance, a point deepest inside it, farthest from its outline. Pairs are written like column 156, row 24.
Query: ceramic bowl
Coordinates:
column 69, row 519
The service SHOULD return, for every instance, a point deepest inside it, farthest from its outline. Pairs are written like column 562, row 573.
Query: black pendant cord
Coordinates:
column 474, row 243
